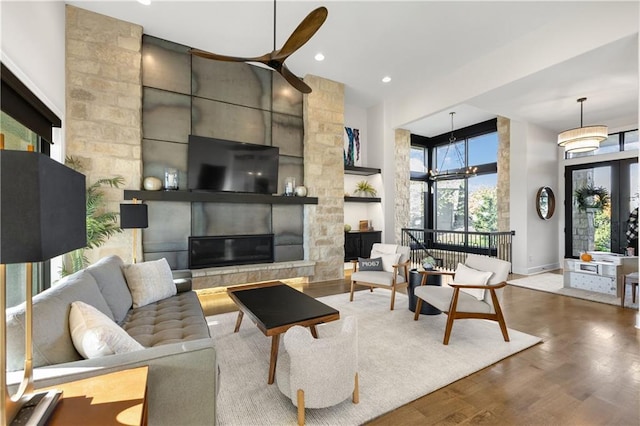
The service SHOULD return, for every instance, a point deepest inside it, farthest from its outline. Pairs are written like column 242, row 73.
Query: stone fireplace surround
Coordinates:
column 104, row 126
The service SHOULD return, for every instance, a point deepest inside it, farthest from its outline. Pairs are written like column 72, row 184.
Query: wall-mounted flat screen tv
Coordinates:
column 219, row 165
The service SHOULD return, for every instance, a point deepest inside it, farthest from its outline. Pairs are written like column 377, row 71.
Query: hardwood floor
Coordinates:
column 586, row 371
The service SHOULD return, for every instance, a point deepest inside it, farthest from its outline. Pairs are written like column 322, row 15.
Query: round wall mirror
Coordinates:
column 545, row 202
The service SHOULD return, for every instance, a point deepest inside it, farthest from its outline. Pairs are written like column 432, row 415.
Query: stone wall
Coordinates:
column 324, row 177
column 504, row 174
column 401, row 180
column 103, row 106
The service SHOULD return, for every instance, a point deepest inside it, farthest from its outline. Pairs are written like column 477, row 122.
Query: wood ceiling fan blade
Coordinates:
column 293, row 79
column 217, row 57
column 303, row 32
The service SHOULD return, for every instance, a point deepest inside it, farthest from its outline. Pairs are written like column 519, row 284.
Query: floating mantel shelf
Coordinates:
column 363, row 171
column 216, row 197
column 362, row 199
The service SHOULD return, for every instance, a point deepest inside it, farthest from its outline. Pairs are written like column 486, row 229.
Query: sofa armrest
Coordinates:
column 182, row 284
column 182, row 376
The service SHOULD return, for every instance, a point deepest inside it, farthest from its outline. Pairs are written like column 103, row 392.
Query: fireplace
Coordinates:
column 226, row 250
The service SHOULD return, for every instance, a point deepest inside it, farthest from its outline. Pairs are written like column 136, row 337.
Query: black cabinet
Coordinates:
column 358, row 244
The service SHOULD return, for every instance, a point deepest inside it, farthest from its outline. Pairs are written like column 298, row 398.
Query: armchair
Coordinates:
column 318, row 373
column 395, row 273
column 475, row 292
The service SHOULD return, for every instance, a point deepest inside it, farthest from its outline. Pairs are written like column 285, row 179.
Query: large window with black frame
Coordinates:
column 443, row 194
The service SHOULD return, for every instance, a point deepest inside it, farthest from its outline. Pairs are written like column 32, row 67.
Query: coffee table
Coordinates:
column 275, row 307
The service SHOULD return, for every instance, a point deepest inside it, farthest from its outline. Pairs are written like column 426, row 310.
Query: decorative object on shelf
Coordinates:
column 48, row 193
column 365, row 225
column 586, row 257
column 275, row 59
column 590, row 197
column 347, row 227
column 301, row 191
column 134, row 216
column 352, row 147
column 171, row 179
column 365, row 189
column 582, row 139
column 545, row 202
column 152, row 183
column 289, row 186
column 461, row 173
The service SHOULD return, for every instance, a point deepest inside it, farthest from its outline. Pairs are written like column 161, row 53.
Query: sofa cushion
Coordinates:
column 108, row 274
column 175, row 319
column 149, row 281
column 52, row 342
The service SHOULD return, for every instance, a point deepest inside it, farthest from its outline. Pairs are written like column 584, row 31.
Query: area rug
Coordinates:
column 554, row 283
column 400, row 360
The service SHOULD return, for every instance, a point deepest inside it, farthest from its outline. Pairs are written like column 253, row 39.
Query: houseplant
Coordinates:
column 365, row 189
column 100, row 224
column 591, row 197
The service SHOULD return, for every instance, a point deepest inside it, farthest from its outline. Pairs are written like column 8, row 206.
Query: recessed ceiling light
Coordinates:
column 319, row 57
column 145, row 2
column 386, row 79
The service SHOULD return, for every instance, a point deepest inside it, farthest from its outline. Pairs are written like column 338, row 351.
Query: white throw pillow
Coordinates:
column 95, row 335
column 149, row 281
column 466, row 275
column 388, row 259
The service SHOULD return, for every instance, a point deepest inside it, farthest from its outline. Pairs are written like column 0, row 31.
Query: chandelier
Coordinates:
column 582, row 139
column 461, row 173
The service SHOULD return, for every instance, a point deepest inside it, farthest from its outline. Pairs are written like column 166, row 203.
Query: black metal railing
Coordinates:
column 451, row 247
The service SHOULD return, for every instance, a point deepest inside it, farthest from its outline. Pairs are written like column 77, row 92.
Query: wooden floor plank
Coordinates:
column 586, row 371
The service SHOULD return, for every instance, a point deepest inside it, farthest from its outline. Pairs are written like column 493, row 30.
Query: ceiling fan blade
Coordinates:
column 215, row 56
column 293, row 79
column 303, row 32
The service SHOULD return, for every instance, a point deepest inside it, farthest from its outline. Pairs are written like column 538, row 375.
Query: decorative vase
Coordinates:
column 347, row 227
column 152, row 184
column 301, row 191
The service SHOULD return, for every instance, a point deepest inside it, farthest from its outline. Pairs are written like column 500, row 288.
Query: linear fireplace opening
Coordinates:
column 227, row 250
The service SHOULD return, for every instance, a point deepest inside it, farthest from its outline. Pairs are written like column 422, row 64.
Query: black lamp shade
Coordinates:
column 133, row 216
column 42, row 208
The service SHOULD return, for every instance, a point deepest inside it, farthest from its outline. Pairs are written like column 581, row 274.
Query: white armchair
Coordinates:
column 318, row 373
column 394, row 273
column 475, row 292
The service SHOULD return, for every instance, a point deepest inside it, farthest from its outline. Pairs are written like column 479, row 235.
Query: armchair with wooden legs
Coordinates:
column 475, row 292
column 394, row 273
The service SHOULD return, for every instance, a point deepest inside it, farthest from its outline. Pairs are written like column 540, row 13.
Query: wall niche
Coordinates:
column 184, row 94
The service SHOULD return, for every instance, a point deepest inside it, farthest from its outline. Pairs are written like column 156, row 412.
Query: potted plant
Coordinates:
column 100, row 224
column 590, row 197
column 365, row 189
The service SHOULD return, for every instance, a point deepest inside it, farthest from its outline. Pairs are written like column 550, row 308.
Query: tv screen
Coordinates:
column 227, row 166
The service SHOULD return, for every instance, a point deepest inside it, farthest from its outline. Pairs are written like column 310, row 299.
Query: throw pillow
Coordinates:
column 370, row 264
column 149, row 281
column 466, row 275
column 95, row 335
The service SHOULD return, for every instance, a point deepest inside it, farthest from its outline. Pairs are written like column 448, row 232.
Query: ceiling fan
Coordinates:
column 275, row 59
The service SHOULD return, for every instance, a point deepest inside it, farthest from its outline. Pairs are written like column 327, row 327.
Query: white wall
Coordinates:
column 32, row 45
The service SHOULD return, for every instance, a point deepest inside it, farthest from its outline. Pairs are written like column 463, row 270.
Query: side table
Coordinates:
column 415, row 280
column 107, row 399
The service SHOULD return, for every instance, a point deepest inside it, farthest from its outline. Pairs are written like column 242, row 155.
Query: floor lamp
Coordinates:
column 42, row 215
column 134, row 216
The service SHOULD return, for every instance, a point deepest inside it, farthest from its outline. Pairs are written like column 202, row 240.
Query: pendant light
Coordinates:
column 438, row 173
column 582, row 139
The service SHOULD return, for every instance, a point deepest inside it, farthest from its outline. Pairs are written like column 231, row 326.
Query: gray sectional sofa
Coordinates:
column 182, row 381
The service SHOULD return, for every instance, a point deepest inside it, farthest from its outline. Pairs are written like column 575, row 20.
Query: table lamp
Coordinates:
column 42, row 215
column 134, row 216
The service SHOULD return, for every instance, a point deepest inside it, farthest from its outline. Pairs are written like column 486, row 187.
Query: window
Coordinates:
column 466, row 204
column 616, row 142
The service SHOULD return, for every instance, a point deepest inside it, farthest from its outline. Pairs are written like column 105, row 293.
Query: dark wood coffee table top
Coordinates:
column 275, row 307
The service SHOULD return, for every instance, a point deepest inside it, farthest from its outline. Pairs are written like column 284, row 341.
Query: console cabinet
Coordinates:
column 358, row 244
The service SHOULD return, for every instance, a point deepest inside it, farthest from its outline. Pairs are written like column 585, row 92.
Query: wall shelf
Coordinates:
column 216, row 197
column 362, row 199
column 363, row 171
